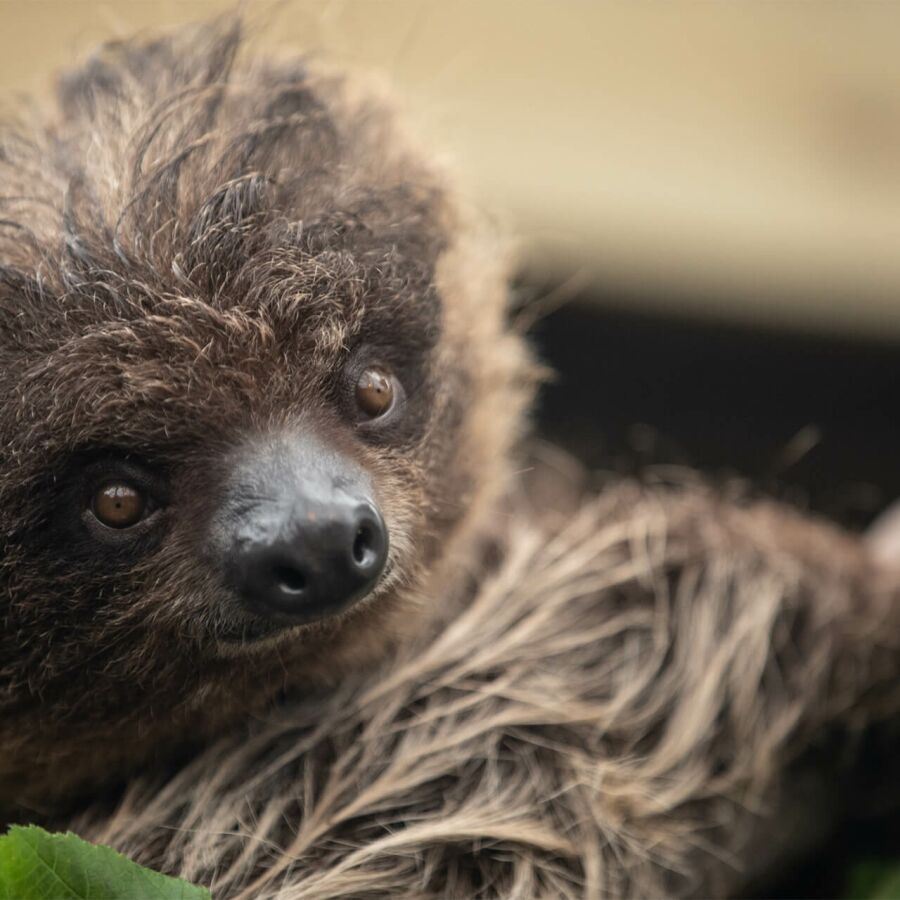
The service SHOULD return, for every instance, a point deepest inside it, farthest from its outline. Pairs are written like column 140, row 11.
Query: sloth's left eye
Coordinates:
column 375, row 391
column 119, row 504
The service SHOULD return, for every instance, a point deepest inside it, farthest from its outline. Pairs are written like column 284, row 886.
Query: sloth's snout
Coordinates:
column 321, row 559
column 304, row 538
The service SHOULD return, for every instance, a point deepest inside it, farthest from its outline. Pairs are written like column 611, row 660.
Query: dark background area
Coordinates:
column 810, row 419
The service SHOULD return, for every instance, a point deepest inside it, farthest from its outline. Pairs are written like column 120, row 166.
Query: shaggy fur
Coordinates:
column 194, row 253
column 613, row 714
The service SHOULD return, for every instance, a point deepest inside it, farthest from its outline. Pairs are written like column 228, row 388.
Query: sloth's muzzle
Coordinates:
column 301, row 533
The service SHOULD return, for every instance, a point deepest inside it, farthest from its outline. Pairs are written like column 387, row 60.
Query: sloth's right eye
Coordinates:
column 122, row 501
column 119, row 504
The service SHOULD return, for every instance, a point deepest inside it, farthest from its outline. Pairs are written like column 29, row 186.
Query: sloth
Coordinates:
column 280, row 616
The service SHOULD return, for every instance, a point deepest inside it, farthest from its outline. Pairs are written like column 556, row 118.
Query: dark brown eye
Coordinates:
column 119, row 505
column 375, row 391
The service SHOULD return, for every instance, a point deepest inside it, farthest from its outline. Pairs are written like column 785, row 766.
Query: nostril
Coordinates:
column 290, row 579
column 369, row 546
column 362, row 545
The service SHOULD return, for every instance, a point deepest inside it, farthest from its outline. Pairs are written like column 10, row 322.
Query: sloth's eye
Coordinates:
column 375, row 391
column 118, row 504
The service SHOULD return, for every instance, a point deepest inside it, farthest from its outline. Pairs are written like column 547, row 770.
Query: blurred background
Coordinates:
column 707, row 198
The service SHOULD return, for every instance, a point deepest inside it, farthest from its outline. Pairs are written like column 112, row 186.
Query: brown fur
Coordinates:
column 614, row 714
column 191, row 249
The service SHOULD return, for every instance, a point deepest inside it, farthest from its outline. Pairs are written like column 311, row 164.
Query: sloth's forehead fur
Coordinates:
column 185, row 218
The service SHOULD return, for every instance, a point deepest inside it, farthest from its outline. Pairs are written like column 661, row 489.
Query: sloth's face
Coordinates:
column 297, row 534
column 255, row 386
column 278, row 526
column 200, row 484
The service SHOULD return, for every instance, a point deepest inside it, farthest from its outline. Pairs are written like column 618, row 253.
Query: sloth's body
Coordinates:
column 211, row 275
column 625, row 708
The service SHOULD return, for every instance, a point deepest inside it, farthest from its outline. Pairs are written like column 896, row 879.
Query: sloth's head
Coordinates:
column 256, row 390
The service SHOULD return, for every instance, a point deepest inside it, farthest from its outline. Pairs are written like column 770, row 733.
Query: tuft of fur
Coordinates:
column 193, row 246
column 624, row 707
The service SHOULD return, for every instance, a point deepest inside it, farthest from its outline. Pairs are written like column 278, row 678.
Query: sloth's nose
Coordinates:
column 323, row 557
column 299, row 533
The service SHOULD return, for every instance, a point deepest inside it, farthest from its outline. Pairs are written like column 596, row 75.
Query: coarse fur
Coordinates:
column 625, row 708
column 194, row 251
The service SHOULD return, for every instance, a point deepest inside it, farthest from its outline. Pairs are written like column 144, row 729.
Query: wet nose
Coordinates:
column 317, row 560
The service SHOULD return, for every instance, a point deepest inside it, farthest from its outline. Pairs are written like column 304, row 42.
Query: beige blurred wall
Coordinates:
column 736, row 159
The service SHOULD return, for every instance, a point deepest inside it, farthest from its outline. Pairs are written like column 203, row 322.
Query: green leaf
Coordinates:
column 36, row 865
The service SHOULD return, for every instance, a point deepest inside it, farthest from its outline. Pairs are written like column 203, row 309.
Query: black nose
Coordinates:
column 318, row 560
column 299, row 532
